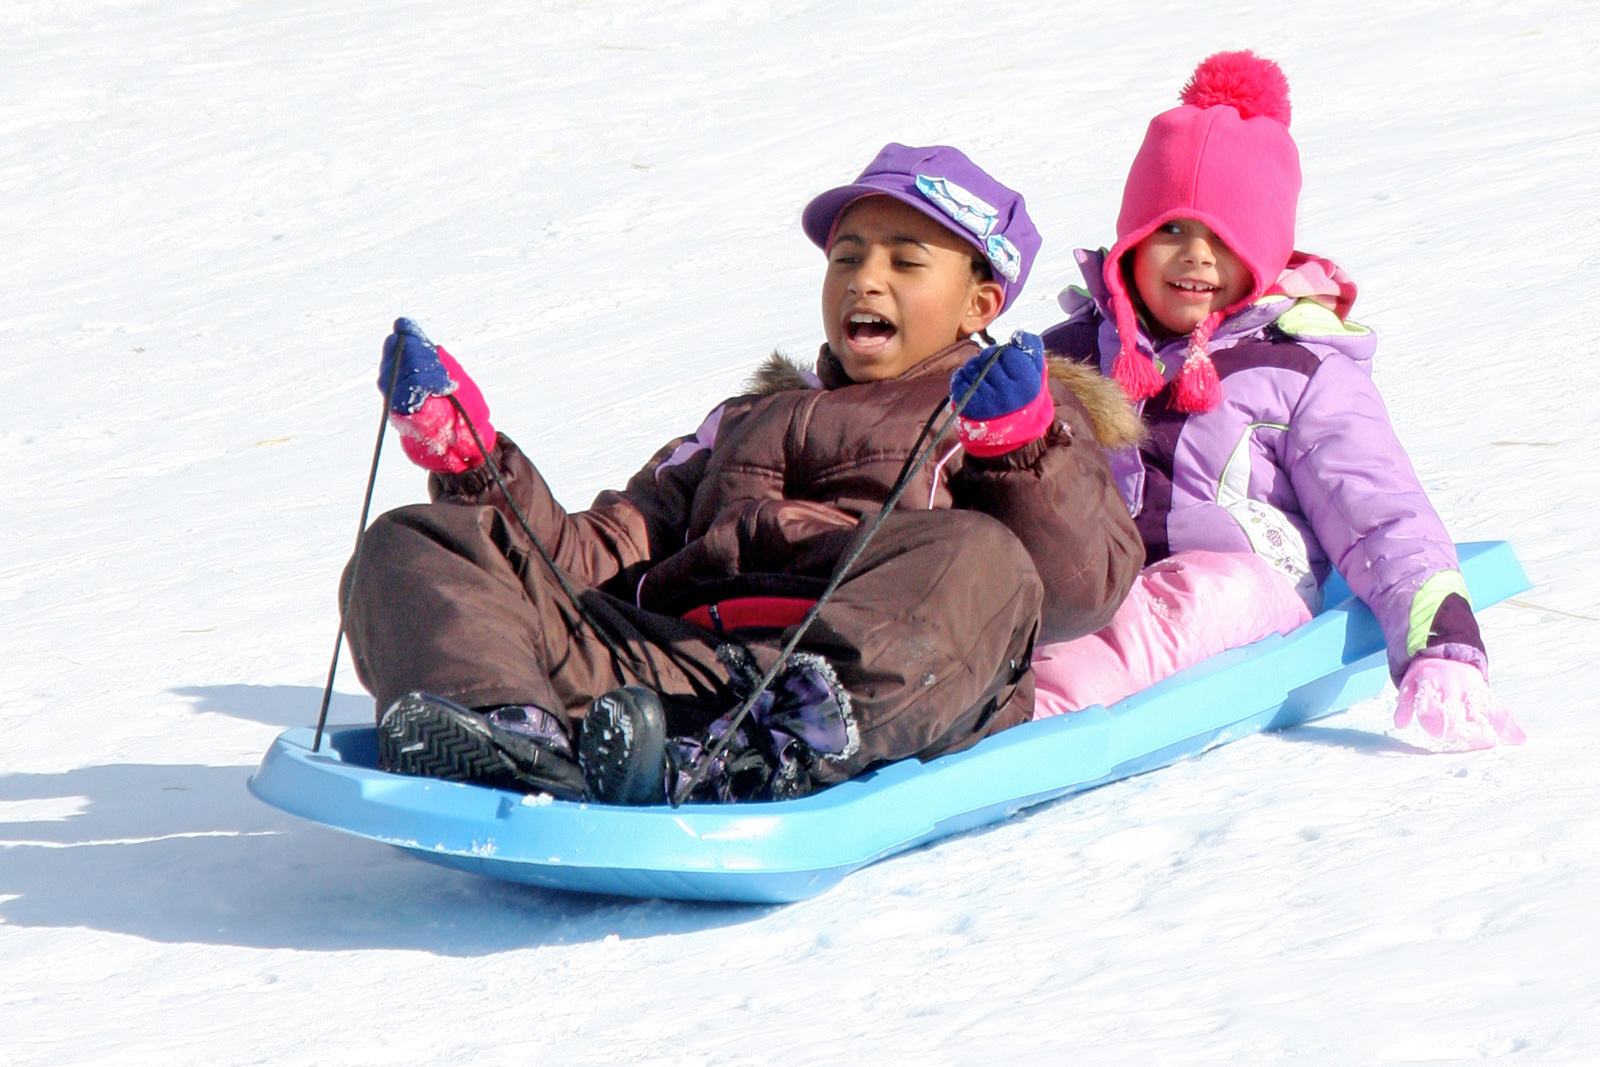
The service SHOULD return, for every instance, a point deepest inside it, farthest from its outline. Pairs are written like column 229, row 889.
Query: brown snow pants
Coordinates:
column 931, row 633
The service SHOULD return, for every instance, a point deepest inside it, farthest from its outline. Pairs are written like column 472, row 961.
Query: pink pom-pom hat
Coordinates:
column 1224, row 157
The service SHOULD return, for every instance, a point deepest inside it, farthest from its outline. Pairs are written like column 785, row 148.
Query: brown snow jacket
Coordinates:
column 766, row 496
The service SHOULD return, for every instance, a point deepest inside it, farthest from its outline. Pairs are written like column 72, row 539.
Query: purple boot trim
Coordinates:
column 531, row 722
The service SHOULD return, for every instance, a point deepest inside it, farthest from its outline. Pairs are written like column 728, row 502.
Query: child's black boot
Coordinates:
column 622, row 748
column 515, row 747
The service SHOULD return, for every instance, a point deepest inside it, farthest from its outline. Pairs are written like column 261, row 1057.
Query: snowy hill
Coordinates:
column 212, row 211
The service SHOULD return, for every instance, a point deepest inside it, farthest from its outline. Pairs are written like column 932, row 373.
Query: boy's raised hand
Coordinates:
column 431, row 430
column 1453, row 704
column 1012, row 405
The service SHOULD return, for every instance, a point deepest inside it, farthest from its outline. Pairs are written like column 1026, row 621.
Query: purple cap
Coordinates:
column 949, row 188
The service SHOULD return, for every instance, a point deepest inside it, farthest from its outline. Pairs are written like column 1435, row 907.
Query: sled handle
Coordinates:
column 355, row 558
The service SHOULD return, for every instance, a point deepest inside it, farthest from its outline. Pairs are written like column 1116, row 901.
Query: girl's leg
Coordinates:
column 1181, row 610
column 930, row 636
column 450, row 600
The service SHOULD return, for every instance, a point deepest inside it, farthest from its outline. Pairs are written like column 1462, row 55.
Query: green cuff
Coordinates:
column 1309, row 319
column 1425, row 606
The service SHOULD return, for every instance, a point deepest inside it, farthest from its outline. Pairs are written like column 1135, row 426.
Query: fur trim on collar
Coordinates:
column 778, row 373
column 1116, row 424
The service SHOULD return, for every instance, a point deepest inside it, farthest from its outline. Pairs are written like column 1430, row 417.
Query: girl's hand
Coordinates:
column 1011, row 406
column 422, row 374
column 1452, row 703
column 432, row 431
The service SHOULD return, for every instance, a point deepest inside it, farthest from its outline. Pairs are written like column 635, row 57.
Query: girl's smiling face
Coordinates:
column 899, row 288
column 1184, row 272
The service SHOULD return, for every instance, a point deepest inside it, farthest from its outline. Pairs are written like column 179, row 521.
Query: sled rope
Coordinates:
column 907, row 472
column 561, row 578
column 355, row 559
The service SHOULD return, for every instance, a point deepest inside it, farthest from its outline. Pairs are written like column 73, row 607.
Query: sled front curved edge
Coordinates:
column 782, row 852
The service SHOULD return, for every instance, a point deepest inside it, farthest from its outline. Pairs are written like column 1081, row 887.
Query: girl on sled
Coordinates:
column 608, row 667
column 1269, row 458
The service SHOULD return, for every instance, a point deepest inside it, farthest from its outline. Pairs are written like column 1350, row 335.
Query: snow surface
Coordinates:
column 211, row 212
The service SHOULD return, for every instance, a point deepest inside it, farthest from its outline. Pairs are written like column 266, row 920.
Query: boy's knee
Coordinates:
column 991, row 548
column 975, row 565
column 378, row 542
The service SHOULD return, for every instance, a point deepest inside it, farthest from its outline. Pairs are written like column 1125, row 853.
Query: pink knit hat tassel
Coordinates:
column 1133, row 369
column 1197, row 387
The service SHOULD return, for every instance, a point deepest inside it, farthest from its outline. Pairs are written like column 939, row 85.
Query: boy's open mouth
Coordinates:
column 866, row 328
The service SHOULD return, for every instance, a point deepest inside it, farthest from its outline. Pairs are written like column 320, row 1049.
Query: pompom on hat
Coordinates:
column 1225, row 158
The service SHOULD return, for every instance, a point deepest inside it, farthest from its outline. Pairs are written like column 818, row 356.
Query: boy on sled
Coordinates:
column 603, row 655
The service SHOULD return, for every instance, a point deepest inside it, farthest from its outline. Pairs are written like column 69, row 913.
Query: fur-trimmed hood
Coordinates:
column 1116, row 424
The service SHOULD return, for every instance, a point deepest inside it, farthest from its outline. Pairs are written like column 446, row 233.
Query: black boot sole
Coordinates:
column 622, row 748
column 431, row 737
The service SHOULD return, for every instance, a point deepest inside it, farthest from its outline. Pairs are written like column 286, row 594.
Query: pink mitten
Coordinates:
column 1452, row 703
column 435, row 436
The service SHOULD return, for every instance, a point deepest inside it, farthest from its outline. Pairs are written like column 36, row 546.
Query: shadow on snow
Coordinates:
column 183, row 853
column 1356, row 740
column 282, row 706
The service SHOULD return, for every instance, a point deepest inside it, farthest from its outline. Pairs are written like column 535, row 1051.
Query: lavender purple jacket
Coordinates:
column 1298, row 464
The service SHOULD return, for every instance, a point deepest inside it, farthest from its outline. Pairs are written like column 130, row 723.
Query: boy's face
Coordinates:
column 899, row 288
column 1184, row 272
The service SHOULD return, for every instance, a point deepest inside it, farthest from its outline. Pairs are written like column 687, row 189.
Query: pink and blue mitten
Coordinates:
column 432, row 431
column 1012, row 404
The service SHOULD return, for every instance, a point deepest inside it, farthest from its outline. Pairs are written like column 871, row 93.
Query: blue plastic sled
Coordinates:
column 781, row 852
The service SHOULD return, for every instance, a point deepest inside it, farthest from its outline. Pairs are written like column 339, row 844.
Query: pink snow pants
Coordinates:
column 1186, row 607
